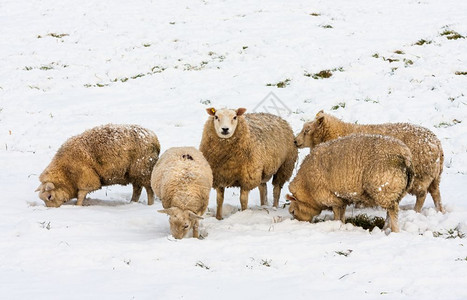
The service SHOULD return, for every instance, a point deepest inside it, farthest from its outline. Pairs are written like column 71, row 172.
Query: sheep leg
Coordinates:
column 244, row 198
column 263, row 191
column 276, row 194
column 81, row 196
column 136, row 192
column 220, row 202
column 339, row 213
column 150, row 194
column 420, row 200
column 196, row 229
column 435, row 194
column 393, row 218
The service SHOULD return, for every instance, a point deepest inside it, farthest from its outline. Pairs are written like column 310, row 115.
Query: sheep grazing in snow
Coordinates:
column 182, row 179
column 367, row 169
column 101, row 156
column 427, row 153
column 246, row 150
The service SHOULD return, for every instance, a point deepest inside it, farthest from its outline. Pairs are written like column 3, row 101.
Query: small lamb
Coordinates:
column 361, row 169
column 246, row 151
column 427, row 153
column 101, row 156
column 182, row 179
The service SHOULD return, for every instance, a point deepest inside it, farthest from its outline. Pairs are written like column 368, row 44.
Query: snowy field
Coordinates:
column 66, row 66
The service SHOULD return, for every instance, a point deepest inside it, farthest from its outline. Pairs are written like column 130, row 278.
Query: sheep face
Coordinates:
column 312, row 133
column 300, row 210
column 225, row 121
column 52, row 196
column 181, row 221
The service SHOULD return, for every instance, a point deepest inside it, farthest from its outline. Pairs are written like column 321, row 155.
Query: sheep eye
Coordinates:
column 49, row 197
column 186, row 226
column 235, row 118
column 216, row 117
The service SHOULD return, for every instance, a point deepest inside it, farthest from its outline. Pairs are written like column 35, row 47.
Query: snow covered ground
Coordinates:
column 66, row 66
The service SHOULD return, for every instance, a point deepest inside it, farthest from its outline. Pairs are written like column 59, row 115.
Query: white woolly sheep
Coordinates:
column 182, row 179
column 360, row 168
column 246, row 150
column 101, row 156
column 427, row 153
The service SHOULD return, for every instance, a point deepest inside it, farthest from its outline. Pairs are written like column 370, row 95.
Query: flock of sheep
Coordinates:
column 368, row 165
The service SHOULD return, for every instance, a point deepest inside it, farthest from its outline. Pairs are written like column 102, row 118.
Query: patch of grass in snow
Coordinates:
column 45, row 225
column 154, row 70
column 390, row 60
column 138, row 76
column 314, row 14
column 55, row 35
column 461, row 73
column 367, row 99
column 408, row 62
column 399, row 52
column 461, row 259
column 448, row 124
column 262, row 262
column 266, row 262
column 451, row 34
column 320, row 75
column 423, row 42
column 205, row 101
column 338, row 105
column 47, row 67
column 344, row 252
column 202, row 265
column 366, row 222
column 324, row 73
column 96, row 85
column 220, row 57
column 327, row 26
column 190, row 67
column 280, row 84
column 450, row 233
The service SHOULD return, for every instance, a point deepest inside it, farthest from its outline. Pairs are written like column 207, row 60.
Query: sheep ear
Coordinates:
column 168, row 211
column 240, row 111
column 211, row 111
column 49, row 186
column 39, row 188
column 320, row 119
column 194, row 216
column 290, row 197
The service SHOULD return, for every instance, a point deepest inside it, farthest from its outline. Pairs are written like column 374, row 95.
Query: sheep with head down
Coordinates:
column 246, row 151
column 372, row 170
column 182, row 179
column 427, row 152
column 101, row 156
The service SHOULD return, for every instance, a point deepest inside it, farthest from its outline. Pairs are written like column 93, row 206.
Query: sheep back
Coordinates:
column 183, row 178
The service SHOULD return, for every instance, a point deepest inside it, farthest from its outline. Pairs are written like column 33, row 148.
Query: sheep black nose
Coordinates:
column 295, row 142
column 225, row 130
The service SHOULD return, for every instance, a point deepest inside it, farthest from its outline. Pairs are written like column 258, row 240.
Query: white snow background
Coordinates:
column 66, row 66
